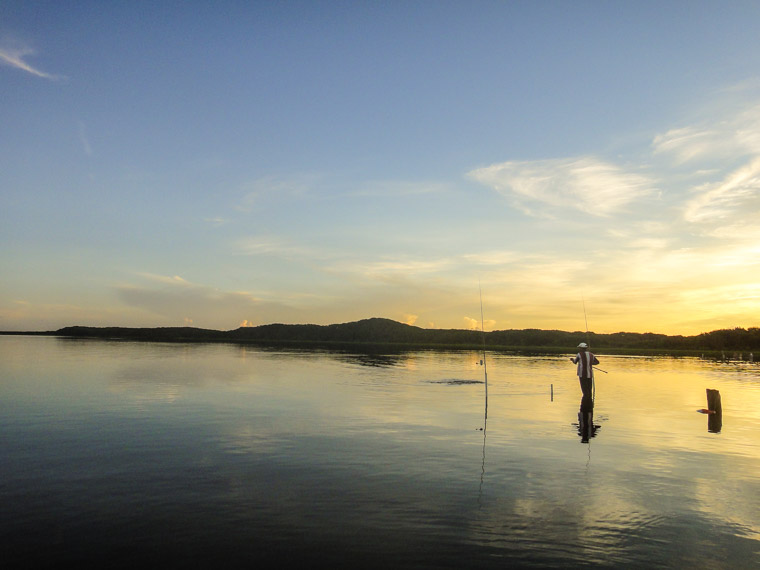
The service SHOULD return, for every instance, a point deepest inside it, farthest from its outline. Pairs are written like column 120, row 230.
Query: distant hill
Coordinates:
column 378, row 331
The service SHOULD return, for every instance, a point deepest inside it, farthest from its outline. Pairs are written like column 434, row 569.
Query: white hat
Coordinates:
column 583, row 345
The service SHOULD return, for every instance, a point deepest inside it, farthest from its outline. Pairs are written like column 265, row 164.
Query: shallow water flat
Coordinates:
column 124, row 453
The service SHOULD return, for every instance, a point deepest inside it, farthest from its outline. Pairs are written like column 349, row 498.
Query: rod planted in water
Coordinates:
column 483, row 333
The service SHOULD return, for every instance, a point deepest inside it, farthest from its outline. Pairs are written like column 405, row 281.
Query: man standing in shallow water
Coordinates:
column 585, row 361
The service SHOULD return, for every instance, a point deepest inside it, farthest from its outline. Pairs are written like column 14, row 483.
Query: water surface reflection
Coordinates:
column 134, row 452
column 586, row 427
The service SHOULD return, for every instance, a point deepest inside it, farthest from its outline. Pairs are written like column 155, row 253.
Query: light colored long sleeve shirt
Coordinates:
column 585, row 361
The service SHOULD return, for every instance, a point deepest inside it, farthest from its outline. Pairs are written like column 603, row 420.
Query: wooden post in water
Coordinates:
column 713, row 401
column 715, row 419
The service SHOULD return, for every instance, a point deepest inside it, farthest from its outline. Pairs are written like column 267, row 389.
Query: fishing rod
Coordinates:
column 585, row 318
column 485, row 414
column 588, row 342
column 483, row 332
column 588, row 338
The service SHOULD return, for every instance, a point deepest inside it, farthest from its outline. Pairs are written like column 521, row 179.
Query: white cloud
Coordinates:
column 736, row 193
column 476, row 325
column 730, row 132
column 14, row 57
column 586, row 184
column 720, row 155
column 688, row 143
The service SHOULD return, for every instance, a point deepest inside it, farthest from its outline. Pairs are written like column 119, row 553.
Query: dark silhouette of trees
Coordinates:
column 386, row 331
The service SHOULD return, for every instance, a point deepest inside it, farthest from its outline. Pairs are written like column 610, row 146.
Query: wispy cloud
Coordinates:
column 405, row 272
column 399, row 188
column 730, row 132
column 274, row 246
column 739, row 191
column 494, row 257
column 84, row 139
column 15, row 57
column 398, row 266
column 689, row 143
column 174, row 299
column 738, row 231
column 175, row 280
column 269, row 188
column 587, row 184
column 722, row 151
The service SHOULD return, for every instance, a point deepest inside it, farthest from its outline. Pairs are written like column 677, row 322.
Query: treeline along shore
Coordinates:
column 378, row 332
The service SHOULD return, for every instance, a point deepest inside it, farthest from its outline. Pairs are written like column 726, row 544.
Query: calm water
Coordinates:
column 127, row 453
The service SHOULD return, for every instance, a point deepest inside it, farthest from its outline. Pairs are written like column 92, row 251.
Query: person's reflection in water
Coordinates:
column 586, row 427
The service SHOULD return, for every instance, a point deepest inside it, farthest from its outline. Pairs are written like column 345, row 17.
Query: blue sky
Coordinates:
column 219, row 164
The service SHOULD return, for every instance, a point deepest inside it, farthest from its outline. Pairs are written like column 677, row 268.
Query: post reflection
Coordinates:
column 715, row 422
column 586, row 427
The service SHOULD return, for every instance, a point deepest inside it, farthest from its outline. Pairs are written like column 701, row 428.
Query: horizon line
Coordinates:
column 44, row 332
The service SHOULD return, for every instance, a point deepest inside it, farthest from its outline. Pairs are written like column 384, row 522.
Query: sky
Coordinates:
column 589, row 164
